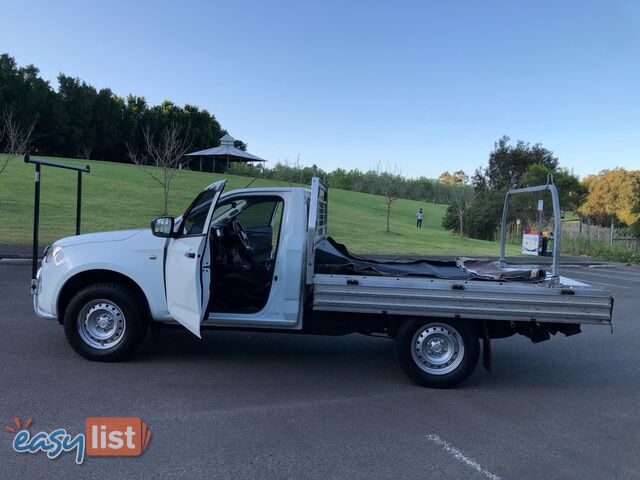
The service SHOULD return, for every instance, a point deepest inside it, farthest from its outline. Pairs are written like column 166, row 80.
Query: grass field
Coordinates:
column 117, row 196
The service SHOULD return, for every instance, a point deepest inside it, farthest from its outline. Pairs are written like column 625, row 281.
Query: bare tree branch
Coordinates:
column 460, row 196
column 86, row 151
column 160, row 157
column 18, row 138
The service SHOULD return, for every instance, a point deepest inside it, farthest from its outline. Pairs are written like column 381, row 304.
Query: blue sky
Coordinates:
column 427, row 86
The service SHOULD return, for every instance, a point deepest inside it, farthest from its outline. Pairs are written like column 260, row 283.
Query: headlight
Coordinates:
column 52, row 252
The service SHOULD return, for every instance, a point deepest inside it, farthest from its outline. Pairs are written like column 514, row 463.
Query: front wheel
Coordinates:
column 105, row 322
column 437, row 354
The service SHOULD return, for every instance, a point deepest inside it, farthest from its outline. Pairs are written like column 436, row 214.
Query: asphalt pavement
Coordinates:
column 240, row 405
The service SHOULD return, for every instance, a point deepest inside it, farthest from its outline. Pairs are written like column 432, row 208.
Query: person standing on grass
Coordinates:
column 419, row 216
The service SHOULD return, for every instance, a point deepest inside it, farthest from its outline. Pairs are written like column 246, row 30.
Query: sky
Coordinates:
column 422, row 86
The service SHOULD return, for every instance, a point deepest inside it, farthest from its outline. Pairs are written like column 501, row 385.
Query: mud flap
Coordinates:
column 486, row 348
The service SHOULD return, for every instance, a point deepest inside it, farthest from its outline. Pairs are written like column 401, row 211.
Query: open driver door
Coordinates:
column 187, row 270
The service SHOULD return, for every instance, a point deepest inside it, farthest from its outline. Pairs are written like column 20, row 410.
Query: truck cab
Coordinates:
column 237, row 260
column 231, row 259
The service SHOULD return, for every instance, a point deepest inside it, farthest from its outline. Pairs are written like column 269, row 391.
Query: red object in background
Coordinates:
column 530, row 230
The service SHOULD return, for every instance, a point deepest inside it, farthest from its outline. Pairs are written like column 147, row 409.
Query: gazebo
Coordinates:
column 218, row 159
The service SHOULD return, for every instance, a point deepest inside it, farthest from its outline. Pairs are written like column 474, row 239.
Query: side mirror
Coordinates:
column 162, row 227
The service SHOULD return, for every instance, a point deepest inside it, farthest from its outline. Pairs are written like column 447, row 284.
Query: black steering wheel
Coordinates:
column 238, row 229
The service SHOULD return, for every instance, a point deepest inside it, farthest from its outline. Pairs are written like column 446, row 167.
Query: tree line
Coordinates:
column 77, row 120
column 612, row 196
column 372, row 181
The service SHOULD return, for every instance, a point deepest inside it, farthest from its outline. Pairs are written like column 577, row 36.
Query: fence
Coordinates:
column 611, row 235
column 584, row 238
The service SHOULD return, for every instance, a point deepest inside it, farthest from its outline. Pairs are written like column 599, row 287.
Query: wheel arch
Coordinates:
column 476, row 325
column 90, row 277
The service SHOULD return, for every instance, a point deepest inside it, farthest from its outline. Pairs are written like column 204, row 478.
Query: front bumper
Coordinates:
column 37, row 290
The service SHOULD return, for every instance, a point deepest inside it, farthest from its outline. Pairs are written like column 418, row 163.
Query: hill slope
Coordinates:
column 119, row 196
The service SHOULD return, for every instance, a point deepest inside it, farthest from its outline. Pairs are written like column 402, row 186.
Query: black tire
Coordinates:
column 456, row 337
column 129, row 321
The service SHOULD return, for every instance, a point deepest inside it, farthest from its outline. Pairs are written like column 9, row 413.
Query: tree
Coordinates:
column 571, row 193
column 32, row 101
column 508, row 163
column 460, row 199
column 77, row 100
column 78, row 120
column 483, row 216
column 634, row 228
column 390, row 185
column 479, row 180
column 18, row 138
column 107, row 127
column 510, row 166
column 613, row 196
column 161, row 157
column 6, row 160
column 480, row 217
column 458, row 177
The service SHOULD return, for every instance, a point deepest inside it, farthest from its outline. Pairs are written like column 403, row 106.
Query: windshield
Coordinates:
column 194, row 220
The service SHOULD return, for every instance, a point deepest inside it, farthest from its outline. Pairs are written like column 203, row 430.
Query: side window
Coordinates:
column 261, row 217
column 196, row 216
column 258, row 214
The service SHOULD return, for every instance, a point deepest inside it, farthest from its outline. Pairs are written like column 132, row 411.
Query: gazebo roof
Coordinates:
column 226, row 150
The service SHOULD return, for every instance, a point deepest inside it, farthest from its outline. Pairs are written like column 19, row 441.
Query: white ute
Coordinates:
column 260, row 259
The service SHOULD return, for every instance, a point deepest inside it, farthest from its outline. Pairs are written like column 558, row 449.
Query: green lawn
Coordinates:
column 117, row 196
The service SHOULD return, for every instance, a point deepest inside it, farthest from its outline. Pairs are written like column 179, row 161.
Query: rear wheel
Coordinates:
column 105, row 322
column 437, row 354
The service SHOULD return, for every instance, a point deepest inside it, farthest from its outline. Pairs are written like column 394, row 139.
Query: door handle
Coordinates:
column 190, row 255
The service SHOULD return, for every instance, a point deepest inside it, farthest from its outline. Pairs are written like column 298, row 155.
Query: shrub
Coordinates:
column 582, row 245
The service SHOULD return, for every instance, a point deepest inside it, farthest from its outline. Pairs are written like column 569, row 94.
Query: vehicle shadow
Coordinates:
column 244, row 353
column 515, row 363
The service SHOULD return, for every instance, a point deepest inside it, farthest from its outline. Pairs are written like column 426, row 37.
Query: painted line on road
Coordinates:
column 602, row 276
column 608, row 270
column 613, row 265
column 458, row 455
column 14, row 261
column 597, row 282
column 594, row 272
column 620, row 271
column 590, row 281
